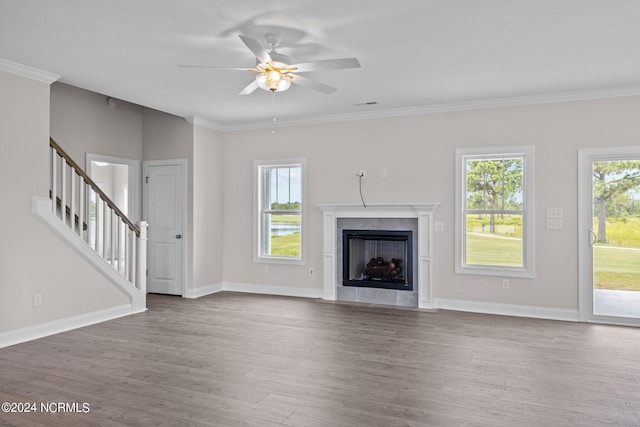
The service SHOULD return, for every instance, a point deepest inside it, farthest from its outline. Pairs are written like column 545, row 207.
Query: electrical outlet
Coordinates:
column 312, row 271
column 362, row 173
column 37, row 300
column 506, row 284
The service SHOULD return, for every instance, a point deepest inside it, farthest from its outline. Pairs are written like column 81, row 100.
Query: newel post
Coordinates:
column 141, row 262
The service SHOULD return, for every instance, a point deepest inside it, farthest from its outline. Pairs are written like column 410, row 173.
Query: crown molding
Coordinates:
column 28, row 72
column 548, row 98
column 205, row 123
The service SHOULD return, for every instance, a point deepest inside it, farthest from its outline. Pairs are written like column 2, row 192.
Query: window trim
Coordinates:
column 258, row 255
column 527, row 152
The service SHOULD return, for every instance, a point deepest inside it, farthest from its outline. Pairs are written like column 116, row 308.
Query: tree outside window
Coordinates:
column 494, row 211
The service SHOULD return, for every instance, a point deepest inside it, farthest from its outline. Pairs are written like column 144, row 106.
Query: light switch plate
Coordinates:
column 554, row 213
column 554, row 224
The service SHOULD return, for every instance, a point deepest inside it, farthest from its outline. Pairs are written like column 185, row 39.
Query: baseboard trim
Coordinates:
column 273, row 290
column 204, row 290
column 508, row 309
column 41, row 330
column 444, row 304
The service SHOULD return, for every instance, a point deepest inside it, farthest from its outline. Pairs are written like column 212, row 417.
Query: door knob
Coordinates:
column 178, row 236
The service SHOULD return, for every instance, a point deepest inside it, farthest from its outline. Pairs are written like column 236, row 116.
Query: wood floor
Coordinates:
column 236, row 359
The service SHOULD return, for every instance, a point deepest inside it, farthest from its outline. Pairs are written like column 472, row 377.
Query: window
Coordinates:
column 494, row 211
column 279, row 213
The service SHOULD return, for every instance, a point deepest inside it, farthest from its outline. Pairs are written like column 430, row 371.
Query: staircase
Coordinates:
column 90, row 222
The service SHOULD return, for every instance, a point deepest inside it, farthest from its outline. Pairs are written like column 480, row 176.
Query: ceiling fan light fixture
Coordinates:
column 283, row 85
column 273, row 81
column 274, row 76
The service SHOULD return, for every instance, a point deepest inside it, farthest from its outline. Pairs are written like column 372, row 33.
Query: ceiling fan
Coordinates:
column 275, row 72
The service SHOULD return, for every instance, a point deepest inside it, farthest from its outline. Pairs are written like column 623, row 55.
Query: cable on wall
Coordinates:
column 360, row 176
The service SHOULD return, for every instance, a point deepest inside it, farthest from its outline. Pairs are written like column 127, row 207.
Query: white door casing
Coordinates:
column 164, row 203
column 133, row 181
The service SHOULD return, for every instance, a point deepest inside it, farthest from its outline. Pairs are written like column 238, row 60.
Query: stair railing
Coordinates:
column 94, row 217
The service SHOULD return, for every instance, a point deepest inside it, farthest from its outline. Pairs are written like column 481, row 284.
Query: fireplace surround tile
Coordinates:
column 407, row 299
column 376, row 295
column 346, row 293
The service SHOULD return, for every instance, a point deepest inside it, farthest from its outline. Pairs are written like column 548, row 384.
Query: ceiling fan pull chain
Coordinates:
column 273, row 106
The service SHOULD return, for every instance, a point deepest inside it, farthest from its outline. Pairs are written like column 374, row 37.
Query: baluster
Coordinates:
column 134, row 259
column 127, row 232
column 96, row 212
column 54, row 179
column 72, row 173
column 122, row 248
column 104, row 229
column 101, row 226
column 63, row 191
column 118, row 240
column 81, row 205
column 113, row 237
column 122, row 262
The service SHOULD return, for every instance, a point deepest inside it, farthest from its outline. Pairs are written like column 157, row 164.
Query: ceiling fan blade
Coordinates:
column 249, row 88
column 326, row 64
column 312, row 84
column 257, row 49
column 216, row 67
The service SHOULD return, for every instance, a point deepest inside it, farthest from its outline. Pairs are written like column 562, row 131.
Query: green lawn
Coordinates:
column 491, row 250
column 623, row 232
column 505, row 225
column 287, row 245
column 616, row 268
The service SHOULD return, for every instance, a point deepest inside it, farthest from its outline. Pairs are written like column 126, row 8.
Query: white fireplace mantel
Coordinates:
column 424, row 212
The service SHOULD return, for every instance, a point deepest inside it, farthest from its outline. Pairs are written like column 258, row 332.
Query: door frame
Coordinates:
column 185, row 239
column 133, row 178
column 585, row 223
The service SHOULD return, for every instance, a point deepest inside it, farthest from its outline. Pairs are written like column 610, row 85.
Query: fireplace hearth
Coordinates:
column 378, row 259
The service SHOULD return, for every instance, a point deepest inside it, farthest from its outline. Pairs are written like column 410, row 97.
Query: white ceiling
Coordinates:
column 416, row 55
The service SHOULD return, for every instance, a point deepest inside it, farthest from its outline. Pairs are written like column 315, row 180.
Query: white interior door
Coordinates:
column 165, row 213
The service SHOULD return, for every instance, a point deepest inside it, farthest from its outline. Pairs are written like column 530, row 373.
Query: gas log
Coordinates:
column 378, row 269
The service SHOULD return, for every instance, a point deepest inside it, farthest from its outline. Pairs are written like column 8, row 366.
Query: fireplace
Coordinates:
column 378, row 259
column 417, row 217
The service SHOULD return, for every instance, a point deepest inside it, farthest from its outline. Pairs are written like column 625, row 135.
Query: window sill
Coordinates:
column 278, row 260
column 495, row 271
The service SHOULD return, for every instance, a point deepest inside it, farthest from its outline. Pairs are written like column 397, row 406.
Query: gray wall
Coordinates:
column 82, row 122
column 418, row 153
column 33, row 259
column 207, row 207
